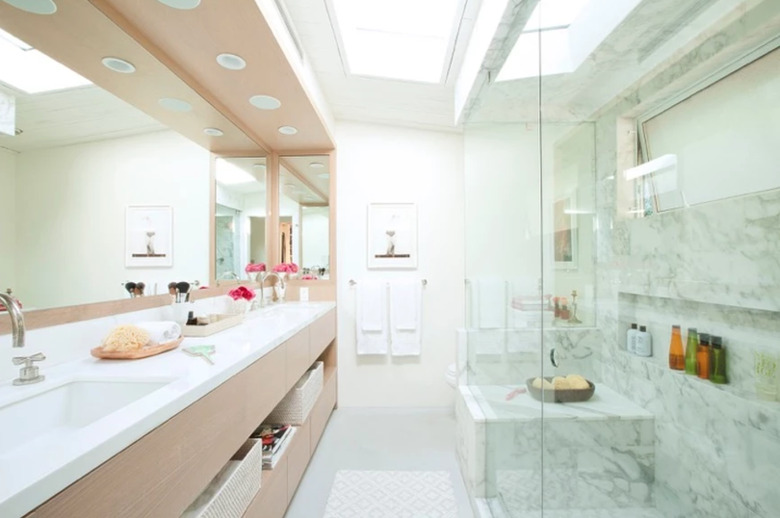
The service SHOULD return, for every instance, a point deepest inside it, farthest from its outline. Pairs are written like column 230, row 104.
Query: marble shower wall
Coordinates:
column 715, row 267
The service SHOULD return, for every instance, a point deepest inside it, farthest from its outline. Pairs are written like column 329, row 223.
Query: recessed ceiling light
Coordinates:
column 316, row 165
column 213, row 132
column 175, row 105
column 288, row 130
column 324, row 176
column 231, row 61
column 181, row 4
column 265, row 102
column 34, row 6
column 118, row 65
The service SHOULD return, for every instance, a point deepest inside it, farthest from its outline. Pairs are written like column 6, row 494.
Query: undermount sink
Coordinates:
column 66, row 406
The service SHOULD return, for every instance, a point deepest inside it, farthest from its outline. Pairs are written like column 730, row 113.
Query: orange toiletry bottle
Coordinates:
column 676, row 355
column 703, row 357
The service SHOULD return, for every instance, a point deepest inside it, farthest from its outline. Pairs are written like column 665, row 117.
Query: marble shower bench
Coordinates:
column 596, row 456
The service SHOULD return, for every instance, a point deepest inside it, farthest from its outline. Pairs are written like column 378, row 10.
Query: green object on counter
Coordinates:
column 204, row 351
column 690, row 351
column 718, row 361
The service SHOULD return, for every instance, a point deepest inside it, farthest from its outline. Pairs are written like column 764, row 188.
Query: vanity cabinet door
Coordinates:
column 322, row 333
column 297, row 349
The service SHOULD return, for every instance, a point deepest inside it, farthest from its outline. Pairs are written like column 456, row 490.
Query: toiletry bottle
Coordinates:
column 643, row 342
column 676, row 356
column 690, row 351
column 718, row 362
column 703, row 357
column 631, row 338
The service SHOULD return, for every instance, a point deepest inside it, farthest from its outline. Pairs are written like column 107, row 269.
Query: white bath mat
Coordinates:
column 392, row 494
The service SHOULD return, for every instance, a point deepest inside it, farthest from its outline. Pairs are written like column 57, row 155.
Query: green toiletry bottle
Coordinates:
column 718, row 361
column 690, row 351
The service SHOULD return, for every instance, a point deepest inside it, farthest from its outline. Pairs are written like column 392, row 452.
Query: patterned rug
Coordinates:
column 392, row 494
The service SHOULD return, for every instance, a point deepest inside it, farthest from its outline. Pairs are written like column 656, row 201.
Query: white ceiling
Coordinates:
column 72, row 116
column 369, row 99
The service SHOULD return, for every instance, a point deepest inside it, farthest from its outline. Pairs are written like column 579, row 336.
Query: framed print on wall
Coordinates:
column 149, row 237
column 564, row 235
column 392, row 235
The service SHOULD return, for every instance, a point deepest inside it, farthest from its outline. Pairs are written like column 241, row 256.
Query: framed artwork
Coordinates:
column 149, row 237
column 392, row 235
column 564, row 235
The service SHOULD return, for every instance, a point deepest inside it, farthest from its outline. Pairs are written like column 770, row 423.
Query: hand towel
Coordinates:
column 161, row 332
column 406, row 318
column 371, row 317
column 492, row 303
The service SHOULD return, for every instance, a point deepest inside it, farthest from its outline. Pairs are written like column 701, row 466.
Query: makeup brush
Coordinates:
column 139, row 288
column 183, row 289
column 172, row 288
column 130, row 287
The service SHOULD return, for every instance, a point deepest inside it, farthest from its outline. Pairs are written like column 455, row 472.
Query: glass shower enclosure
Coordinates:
column 619, row 170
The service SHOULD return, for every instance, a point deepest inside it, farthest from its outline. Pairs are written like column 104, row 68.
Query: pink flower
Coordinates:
column 255, row 267
column 309, row 277
column 286, row 268
column 241, row 292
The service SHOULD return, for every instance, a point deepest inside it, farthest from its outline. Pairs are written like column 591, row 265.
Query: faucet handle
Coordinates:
column 28, row 360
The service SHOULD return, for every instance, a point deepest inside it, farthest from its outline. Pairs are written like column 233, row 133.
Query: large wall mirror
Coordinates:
column 96, row 195
column 240, row 216
column 304, row 214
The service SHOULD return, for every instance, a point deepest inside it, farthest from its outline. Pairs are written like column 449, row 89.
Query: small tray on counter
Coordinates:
column 143, row 352
column 224, row 322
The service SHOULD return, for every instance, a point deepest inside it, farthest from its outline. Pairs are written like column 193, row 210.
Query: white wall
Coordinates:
column 390, row 164
column 71, row 215
column 8, row 219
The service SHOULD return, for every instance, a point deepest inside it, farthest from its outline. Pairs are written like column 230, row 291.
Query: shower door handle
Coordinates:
column 553, row 359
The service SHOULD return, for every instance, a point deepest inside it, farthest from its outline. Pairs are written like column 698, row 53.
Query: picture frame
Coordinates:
column 149, row 237
column 565, row 247
column 392, row 236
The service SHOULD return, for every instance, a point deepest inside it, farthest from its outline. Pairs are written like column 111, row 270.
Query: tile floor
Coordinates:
column 380, row 439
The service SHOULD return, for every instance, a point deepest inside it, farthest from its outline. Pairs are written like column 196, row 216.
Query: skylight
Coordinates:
column 32, row 71
column 568, row 32
column 230, row 174
column 397, row 39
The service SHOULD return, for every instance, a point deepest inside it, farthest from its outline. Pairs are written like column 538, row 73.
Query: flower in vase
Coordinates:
column 255, row 267
column 286, row 268
column 241, row 292
column 309, row 277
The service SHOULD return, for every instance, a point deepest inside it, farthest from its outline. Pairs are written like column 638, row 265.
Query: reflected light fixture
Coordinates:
column 213, row 132
column 288, row 130
column 175, row 105
column 118, row 65
column 34, row 6
column 316, row 165
column 265, row 102
column 181, row 4
column 259, row 167
column 324, row 176
column 231, row 61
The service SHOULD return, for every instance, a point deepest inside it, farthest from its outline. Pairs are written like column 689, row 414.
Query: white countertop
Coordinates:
column 36, row 471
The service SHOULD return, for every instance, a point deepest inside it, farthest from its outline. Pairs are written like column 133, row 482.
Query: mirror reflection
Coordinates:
column 85, row 180
column 240, row 215
column 304, row 214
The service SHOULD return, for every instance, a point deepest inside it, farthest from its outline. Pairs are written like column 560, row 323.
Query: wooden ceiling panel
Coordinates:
column 188, row 42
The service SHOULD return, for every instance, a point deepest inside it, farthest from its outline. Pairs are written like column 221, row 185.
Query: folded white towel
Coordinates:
column 371, row 317
column 406, row 318
column 161, row 332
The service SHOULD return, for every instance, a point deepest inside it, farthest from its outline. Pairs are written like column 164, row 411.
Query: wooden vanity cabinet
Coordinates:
column 164, row 471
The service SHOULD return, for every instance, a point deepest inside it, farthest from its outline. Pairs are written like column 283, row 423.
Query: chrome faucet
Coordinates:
column 281, row 284
column 29, row 372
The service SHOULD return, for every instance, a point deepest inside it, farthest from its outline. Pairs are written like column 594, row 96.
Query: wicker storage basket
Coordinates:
column 229, row 494
column 296, row 405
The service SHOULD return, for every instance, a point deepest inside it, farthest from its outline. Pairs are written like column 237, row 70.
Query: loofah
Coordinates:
column 125, row 338
column 577, row 382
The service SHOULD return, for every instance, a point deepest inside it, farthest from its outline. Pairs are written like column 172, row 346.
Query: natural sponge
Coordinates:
column 541, row 383
column 577, row 382
column 560, row 383
column 125, row 338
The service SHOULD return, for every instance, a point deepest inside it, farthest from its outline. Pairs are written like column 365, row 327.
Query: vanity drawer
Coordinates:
column 298, row 456
column 321, row 333
column 297, row 350
column 271, row 501
column 322, row 409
